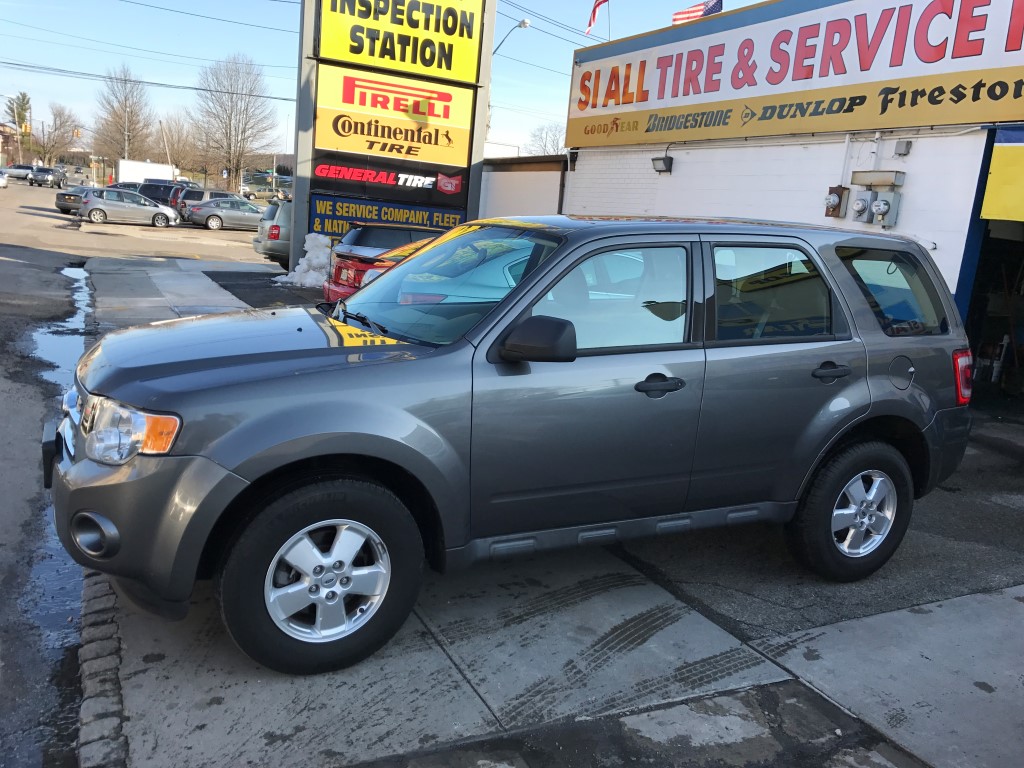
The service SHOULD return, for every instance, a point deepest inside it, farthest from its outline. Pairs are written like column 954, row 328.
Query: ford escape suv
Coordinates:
column 518, row 385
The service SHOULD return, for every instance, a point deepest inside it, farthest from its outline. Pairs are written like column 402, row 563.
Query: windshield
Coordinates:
column 437, row 295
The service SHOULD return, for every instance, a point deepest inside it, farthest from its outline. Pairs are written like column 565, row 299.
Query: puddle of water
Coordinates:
column 52, row 593
column 62, row 344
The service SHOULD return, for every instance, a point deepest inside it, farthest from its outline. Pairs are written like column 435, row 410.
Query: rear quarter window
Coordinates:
column 899, row 291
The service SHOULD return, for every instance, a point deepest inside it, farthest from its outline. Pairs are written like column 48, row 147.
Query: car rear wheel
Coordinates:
column 322, row 577
column 97, row 216
column 160, row 220
column 854, row 514
column 214, row 222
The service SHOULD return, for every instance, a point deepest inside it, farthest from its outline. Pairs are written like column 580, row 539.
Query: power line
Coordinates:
column 211, row 18
column 44, row 70
column 531, row 64
column 509, row 16
column 127, row 55
column 555, row 22
column 133, row 48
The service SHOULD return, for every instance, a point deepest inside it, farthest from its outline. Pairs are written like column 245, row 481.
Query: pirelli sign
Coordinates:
column 383, row 115
column 423, row 39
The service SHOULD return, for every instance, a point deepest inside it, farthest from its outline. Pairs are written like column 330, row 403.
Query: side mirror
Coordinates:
column 540, row 339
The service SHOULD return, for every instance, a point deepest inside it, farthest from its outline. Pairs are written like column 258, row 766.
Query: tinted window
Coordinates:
column 898, row 291
column 634, row 298
column 217, row 195
column 270, row 213
column 377, row 237
column 769, row 293
column 193, row 194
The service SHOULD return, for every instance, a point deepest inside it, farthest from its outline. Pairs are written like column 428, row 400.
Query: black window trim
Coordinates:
column 840, row 323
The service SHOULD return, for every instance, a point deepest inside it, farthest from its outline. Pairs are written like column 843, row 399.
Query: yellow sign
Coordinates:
column 426, row 39
column 804, row 66
column 951, row 99
column 1004, row 194
column 376, row 114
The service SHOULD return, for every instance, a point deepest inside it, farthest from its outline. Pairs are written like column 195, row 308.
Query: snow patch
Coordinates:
column 312, row 268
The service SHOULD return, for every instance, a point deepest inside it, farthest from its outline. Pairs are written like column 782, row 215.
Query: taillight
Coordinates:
column 421, row 298
column 962, row 360
column 274, row 233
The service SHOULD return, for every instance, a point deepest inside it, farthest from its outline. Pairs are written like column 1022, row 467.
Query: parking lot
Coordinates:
column 708, row 648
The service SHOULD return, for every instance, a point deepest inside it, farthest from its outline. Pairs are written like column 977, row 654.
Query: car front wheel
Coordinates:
column 322, row 577
column 160, row 220
column 854, row 514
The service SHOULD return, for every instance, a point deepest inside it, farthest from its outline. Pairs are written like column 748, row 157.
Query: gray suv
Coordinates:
column 518, row 385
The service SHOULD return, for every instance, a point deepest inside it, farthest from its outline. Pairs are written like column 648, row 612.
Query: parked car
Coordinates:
column 3, row 180
column 226, row 213
column 639, row 377
column 70, row 200
column 42, row 176
column 349, row 272
column 131, row 186
column 121, row 205
column 184, row 197
column 273, row 238
column 78, row 170
column 264, row 192
column 159, row 193
column 368, row 241
column 19, row 171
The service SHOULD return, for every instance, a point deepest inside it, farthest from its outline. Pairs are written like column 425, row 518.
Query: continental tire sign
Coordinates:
column 394, row 117
column 804, row 66
column 422, row 39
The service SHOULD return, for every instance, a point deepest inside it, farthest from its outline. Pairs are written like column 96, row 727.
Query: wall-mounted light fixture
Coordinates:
column 662, row 164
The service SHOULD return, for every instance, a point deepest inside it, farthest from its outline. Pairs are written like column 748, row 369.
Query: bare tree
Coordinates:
column 179, row 141
column 57, row 137
column 547, row 139
column 125, row 124
column 234, row 114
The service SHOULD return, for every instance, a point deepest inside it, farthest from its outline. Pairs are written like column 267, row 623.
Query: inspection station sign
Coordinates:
column 804, row 66
column 393, row 117
column 423, row 39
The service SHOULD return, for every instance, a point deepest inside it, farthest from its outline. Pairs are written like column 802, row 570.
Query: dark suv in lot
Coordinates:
column 516, row 386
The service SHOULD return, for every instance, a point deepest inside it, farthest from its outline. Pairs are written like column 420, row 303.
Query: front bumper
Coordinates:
column 162, row 509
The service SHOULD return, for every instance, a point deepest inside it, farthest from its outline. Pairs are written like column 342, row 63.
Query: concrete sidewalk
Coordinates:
column 523, row 665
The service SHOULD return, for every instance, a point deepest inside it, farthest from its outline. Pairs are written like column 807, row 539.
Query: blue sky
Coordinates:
column 530, row 75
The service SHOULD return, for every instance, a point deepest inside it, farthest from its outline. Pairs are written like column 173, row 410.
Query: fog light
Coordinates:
column 95, row 535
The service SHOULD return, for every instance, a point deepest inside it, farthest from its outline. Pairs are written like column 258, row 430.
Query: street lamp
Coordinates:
column 521, row 25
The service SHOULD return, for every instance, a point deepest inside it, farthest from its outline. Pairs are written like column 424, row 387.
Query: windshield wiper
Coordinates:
column 341, row 313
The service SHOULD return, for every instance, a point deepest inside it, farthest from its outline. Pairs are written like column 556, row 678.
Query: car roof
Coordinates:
column 380, row 225
column 606, row 226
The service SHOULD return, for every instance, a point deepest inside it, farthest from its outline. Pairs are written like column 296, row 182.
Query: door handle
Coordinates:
column 658, row 385
column 830, row 370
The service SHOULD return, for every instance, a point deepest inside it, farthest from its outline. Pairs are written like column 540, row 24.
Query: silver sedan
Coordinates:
column 226, row 213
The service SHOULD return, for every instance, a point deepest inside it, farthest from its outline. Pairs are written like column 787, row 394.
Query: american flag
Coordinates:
column 698, row 11
column 593, row 14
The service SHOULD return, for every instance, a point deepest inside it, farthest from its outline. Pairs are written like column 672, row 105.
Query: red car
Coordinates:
column 349, row 272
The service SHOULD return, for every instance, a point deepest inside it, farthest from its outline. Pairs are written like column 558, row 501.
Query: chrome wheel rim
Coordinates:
column 160, row 220
column 327, row 581
column 213, row 222
column 863, row 514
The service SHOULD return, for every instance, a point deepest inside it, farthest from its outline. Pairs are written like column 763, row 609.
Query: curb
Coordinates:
column 101, row 739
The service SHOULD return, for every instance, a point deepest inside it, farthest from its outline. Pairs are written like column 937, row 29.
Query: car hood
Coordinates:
column 211, row 351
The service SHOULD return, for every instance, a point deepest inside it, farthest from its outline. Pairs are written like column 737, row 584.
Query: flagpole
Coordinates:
column 609, row 4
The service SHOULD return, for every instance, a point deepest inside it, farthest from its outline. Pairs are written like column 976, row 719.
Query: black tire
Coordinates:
column 247, row 566
column 31, row 183
column 810, row 535
column 97, row 216
column 160, row 220
column 214, row 222
column 250, row 197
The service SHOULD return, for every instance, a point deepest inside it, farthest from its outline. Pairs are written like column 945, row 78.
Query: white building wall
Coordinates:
column 787, row 180
column 519, row 193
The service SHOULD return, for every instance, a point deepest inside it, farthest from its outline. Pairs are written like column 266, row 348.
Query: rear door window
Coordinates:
column 898, row 290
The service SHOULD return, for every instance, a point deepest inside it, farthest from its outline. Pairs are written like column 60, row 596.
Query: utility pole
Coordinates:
column 168, row 151
column 127, row 113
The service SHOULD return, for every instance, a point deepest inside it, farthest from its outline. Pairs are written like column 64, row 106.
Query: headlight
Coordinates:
column 115, row 433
